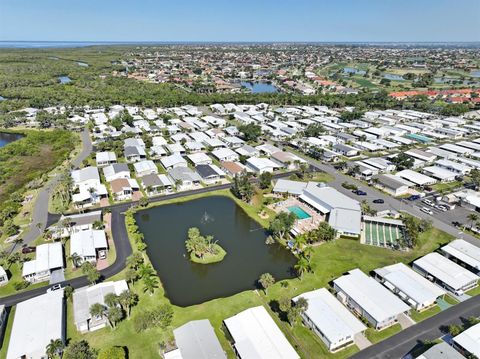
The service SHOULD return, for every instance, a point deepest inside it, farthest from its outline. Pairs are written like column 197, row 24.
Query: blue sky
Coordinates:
column 240, row 20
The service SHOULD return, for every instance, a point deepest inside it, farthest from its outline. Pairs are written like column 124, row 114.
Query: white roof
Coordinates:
column 440, row 173
column 48, row 256
column 85, row 243
column 292, row 187
column 333, row 319
column 173, row 160
column 261, row 163
column 84, row 298
column 106, row 156
column 256, row 336
column 420, row 289
column 143, row 166
column 199, row 157
column 415, row 177
column 36, row 322
column 223, row 153
column 470, row 340
column 464, row 251
column 374, row 298
column 445, row 270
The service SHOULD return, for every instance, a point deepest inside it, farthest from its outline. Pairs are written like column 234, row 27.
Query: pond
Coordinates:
column 393, row 77
column 82, row 64
column 475, row 73
column 165, row 229
column 64, row 80
column 351, row 70
column 259, row 87
column 6, row 138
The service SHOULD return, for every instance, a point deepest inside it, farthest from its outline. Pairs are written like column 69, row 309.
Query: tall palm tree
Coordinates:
column 54, row 348
column 127, row 300
column 302, row 266
column 150, row 284
column 145, row 270
column 114, row 315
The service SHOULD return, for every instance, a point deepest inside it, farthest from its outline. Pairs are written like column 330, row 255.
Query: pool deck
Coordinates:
column 301, row 225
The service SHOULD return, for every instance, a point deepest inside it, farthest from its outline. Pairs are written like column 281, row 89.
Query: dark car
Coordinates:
column 413, row 197
column 26, row 250
column 360, row 193
column 378, row 200
column 456, row 224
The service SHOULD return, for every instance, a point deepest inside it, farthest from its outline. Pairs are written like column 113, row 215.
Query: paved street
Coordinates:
column 40, row 208
column 402, row 343
column 120, row 239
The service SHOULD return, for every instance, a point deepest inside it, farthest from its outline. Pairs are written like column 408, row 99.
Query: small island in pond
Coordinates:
column 203, row 250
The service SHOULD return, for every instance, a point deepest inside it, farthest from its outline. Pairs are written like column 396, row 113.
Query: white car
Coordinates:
column 54, row 288
column 426, row 210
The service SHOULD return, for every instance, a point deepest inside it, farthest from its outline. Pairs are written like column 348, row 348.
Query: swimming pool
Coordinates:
column 300, row 213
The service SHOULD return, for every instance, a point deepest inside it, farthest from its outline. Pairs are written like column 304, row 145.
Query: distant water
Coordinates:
column 50, row 44
column 6, row 138
column 259, row 87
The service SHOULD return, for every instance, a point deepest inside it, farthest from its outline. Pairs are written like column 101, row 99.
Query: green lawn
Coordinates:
column 376, row 336
column 450, row 300
column 419, row 316
column 329, row 261
column 474, row 291
column 446, row 187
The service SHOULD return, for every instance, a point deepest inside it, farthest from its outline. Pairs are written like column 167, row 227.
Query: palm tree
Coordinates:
column 145, row 270
column 97, row 310
column 127, row 300
column 302, row 266
column 472, row 217
column 76, row 260
column 111, row 300
column 150, row 284
column 54, row 348
column 308, row 252
column 114, row 315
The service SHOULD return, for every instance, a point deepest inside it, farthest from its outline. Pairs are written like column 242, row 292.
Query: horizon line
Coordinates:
column 256, row 41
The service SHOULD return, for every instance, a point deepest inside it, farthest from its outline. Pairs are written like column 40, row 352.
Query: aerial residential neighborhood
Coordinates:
column 254, row 180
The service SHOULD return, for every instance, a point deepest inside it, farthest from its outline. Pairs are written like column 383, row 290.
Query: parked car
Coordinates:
column 26, row 250
column 54, row 288
column 428, row 202
column 413, row 197
column 426, row 210
column 456, row 224
column 359, row 192
column 379, row 200
column 441, row 208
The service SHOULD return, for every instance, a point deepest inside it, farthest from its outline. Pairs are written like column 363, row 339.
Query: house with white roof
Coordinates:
column 415, row 177
column 255, row 335
column 446, row 273
column 225, row 154
column 196, row 340
column 468, row 342
column 84, row 298
column 144, row 168
column 105, row 158
column 334, row 324
column 463, row 253
column 262, row 164
column 199, row 159
column 48, row 258
column 411, row 287
column 173, row 161
column 116, row 171
column 368, row 298
column 88, row 246
column 37, row 321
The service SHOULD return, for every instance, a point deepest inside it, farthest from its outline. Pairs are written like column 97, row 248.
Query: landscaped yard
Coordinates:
column 376, row 336
column 474, row 291
column 329, row 261
column 419, row 316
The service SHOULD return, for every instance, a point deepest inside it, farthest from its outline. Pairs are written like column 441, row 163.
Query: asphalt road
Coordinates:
column 40, row 208
column 121, row 242
column 402, row 343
